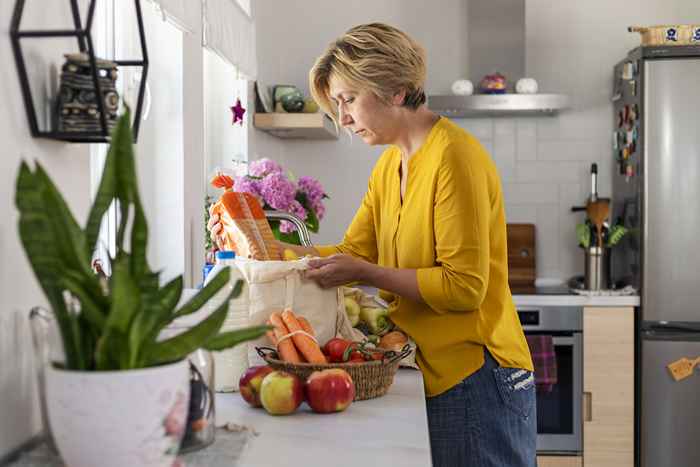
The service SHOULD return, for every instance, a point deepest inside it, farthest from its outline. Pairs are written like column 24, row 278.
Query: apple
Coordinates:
column 281, row 392
column 250, row 382
column 330, row 390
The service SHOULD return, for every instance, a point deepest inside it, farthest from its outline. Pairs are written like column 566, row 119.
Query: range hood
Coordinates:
column 496, row 42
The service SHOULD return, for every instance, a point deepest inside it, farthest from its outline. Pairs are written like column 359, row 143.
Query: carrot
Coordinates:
column 306, row 345
column 306, row 326
column 285, row 347
column 271, row 335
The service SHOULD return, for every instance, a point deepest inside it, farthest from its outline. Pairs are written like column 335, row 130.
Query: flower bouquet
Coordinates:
column 275, row 190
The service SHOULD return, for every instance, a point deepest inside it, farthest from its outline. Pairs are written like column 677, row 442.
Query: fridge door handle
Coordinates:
column 587, row 404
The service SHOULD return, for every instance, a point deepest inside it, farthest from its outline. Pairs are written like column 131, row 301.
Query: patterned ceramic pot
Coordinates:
column 118, row 418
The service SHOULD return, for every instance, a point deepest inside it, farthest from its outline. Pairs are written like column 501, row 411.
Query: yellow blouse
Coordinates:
column 451, row 228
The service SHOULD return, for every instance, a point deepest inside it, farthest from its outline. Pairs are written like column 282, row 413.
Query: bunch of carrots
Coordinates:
column 298, row 348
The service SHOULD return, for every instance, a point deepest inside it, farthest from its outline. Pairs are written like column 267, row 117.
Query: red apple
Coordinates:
column 250, row 382
column 330, row 390
column 281, row 393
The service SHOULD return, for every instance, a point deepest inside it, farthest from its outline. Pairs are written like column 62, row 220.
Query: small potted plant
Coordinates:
column 120, row 397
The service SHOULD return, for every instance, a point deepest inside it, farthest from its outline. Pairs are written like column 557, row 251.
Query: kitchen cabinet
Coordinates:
column 608, row 386
column 559, row 461
column 296, row 125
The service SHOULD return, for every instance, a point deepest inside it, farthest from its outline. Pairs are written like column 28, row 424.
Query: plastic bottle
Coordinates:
column 229, row 364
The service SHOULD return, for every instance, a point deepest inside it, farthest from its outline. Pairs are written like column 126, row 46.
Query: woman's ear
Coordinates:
column 399, row 98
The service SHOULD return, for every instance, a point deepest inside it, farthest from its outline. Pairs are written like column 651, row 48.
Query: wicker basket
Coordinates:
column 673, row 34
column 372, row 379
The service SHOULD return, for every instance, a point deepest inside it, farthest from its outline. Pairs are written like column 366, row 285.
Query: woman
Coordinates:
column 431, row 235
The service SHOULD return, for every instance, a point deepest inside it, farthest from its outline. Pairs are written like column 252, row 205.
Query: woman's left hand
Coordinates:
column 337, row 270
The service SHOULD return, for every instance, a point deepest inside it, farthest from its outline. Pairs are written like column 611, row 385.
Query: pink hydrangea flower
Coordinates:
column 263, row 167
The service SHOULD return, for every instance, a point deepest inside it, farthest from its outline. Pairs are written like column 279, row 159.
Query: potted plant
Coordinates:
column 121, row 395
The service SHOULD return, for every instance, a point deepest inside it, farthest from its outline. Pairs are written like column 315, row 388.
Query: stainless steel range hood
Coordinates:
column 496, row 35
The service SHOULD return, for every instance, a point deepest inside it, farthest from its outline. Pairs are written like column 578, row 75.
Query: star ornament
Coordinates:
column 237, row 111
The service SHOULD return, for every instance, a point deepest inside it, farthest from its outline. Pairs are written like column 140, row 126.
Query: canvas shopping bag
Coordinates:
column 276, row 285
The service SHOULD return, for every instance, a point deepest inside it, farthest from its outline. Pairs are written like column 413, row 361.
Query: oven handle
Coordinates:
column 558, row 340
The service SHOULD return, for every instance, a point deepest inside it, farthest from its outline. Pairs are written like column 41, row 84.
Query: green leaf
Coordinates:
column 178, row 347
column 230, row 339
column 616, row 233
column 126, row 303
column 69, row 239
column 88, row 308
column 42, row 254
column 583, row 233
column 203, row 296
column 157, row 311
column 311, row 220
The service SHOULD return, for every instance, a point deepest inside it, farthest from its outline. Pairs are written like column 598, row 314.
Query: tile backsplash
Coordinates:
column 544, row 163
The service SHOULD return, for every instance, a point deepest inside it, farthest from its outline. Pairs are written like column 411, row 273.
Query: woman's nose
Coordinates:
column 345, row 118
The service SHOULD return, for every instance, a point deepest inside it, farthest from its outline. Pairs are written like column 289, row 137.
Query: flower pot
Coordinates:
column 118, row 418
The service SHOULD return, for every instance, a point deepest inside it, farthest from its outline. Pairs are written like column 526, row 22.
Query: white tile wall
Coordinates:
column 544, row 169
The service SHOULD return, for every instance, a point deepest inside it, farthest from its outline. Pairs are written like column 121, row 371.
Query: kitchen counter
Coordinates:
column 389, row 430
column 576, row 300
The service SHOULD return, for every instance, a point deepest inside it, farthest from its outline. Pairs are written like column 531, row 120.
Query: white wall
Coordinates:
column 68, row 165
column 570, row 48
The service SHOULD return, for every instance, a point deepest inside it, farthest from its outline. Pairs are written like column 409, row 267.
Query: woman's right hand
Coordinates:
column 215, row 228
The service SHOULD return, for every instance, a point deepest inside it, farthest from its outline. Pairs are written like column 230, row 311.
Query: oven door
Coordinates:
column 559, row 424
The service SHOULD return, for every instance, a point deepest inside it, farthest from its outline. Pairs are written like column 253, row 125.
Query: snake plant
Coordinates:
column 112, row 323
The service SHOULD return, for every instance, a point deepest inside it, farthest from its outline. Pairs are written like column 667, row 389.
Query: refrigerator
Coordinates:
column 656, row 194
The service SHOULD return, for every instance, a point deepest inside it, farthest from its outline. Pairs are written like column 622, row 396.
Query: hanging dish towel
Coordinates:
column 544, row 360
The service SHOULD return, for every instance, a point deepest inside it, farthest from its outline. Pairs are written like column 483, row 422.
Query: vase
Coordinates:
column 118, row 418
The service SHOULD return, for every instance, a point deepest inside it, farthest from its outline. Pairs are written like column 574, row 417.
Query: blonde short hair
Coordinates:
column 375, row 57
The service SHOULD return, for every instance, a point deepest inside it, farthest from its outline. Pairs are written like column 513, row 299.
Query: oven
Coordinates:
column 559, row 425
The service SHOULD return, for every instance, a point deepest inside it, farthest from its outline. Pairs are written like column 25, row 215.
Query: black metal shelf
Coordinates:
column 85, row 45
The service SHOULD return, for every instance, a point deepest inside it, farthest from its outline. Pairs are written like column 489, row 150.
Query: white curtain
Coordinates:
column 181, row 13
column 229, row 31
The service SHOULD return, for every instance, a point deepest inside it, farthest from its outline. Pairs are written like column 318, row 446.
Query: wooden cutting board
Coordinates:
column 521, row 255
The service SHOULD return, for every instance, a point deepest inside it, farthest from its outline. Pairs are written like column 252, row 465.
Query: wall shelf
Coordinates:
column 296, row 125
column 82, row 131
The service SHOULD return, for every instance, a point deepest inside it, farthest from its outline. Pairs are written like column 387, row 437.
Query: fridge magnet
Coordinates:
column 237, row 111
column 620, row 119
column 695, row 35
column 633, row 87
column 615, row 141
column 682, row 368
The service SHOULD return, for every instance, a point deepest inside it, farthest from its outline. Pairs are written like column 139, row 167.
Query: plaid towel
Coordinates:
column 544, row 360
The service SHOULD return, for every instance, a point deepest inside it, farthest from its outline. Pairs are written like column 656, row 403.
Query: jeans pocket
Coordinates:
column 517, row 390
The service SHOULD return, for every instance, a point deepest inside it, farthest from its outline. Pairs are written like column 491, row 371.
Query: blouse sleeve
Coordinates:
column 462, row 211
column 360, row 239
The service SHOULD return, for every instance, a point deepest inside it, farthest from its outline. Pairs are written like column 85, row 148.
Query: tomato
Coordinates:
column 356, row 357
column 335, row 348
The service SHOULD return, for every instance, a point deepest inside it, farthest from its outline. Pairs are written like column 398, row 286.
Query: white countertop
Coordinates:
column 388, row 430
column 576, row 300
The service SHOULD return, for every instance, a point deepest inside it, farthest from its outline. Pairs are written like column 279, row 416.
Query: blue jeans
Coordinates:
column 488, row 419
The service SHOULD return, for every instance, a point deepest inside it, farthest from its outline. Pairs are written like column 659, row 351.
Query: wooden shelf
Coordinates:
column 296, row 125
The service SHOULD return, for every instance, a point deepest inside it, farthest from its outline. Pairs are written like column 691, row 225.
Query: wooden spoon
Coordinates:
column 597, row 212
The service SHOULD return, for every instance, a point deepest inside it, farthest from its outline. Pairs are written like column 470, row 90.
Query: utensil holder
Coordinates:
column 597, row 268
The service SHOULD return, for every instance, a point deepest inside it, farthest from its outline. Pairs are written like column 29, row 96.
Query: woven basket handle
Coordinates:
column 405, row 351
column 265, row 351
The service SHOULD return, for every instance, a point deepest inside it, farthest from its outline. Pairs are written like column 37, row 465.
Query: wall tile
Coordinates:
column 481, row 128
column 548, row 244
column 526, row 139
column 504, row 148
column 530, row 193
column 548, row 172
